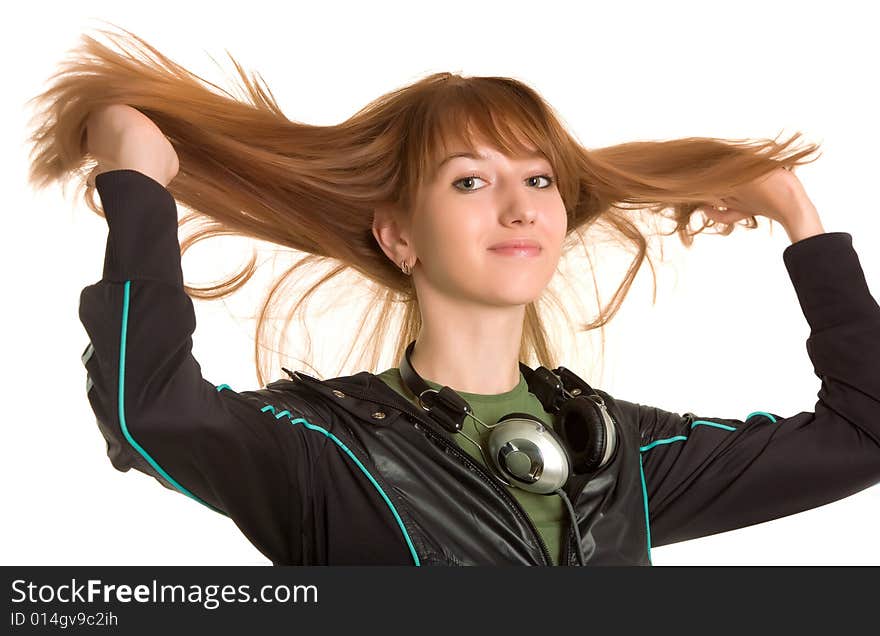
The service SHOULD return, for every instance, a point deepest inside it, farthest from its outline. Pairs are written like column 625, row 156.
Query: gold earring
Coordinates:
column 405, row 267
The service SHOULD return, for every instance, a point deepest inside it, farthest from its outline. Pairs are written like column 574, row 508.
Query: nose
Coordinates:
column 518, row 207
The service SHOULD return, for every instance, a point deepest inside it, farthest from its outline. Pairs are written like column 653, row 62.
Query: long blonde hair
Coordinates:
column 248, row 170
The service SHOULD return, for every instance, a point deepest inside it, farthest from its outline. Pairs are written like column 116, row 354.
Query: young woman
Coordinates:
column 456, row 197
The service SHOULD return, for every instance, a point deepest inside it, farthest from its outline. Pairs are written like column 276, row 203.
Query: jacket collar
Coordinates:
column 369, row 392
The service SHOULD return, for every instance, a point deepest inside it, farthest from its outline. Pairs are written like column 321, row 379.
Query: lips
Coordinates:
column 516, row 247
column 516, row 244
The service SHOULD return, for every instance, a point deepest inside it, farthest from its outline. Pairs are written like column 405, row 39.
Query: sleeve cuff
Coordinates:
column 142, row 242
column 829, row 281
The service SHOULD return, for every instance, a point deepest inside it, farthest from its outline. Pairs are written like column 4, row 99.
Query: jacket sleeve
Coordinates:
column 153, row 407
column 703, row 475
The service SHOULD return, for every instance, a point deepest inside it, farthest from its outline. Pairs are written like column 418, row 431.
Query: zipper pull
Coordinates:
column 304, row 376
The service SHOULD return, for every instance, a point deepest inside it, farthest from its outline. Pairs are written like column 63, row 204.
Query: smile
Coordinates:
column 522, row 250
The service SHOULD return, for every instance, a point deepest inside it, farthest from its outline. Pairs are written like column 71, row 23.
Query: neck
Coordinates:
column 473, row 350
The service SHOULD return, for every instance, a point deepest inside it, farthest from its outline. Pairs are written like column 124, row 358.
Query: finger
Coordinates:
column 722, row 216
column 722, row 205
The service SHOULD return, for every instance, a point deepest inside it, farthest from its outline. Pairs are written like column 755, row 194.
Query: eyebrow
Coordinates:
column 471, row 155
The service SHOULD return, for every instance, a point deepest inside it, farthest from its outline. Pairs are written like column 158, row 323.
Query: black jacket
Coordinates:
column 348, row 471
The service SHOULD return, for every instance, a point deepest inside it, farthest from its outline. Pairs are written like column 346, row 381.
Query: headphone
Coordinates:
column 523, row 450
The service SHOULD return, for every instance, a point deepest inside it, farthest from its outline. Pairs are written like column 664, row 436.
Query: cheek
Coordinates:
column 563, row 233
column 560, row 225
column 451, row 239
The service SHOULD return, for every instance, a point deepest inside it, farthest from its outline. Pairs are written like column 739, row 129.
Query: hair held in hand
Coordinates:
column 247, row 169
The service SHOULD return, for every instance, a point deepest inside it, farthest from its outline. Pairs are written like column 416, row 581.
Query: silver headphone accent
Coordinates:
column 523, row 450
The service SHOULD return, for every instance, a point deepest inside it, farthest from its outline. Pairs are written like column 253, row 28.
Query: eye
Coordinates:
column 544, row 176
column 550, row 180
column 469, row 178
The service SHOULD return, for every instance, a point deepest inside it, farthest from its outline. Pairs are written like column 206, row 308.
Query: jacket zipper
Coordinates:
column 510, row 499
column 566, row 554
column 570, row 538
column 467, row 459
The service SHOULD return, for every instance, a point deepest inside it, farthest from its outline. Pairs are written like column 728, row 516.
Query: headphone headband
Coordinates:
column 451, row 409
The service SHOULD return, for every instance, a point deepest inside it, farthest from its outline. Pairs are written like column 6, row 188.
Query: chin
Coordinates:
column 503, row 291
column 514, row 297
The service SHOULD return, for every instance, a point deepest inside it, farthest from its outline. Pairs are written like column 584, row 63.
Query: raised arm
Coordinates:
column 154, row 408
column 703, row 475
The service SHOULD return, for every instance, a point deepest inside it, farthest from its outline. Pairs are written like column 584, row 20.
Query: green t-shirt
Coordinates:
column 546, row 511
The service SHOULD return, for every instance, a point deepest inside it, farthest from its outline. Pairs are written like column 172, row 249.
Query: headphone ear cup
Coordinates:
column 582, row 430
column 557, row 464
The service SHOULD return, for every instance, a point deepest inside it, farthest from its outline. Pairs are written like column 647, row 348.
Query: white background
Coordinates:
column 726, row 337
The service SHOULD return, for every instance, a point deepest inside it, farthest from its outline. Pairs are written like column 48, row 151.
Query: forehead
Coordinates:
column 477, row 136
column 483, row 151
column 462, row 129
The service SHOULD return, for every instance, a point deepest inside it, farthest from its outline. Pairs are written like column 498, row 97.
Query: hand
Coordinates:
column 122, row 137
column 778, row 195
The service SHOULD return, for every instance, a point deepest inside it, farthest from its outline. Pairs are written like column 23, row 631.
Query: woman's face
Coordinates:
column 474, row 203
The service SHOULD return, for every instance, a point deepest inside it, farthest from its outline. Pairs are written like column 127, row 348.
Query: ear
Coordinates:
column 389, row 233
